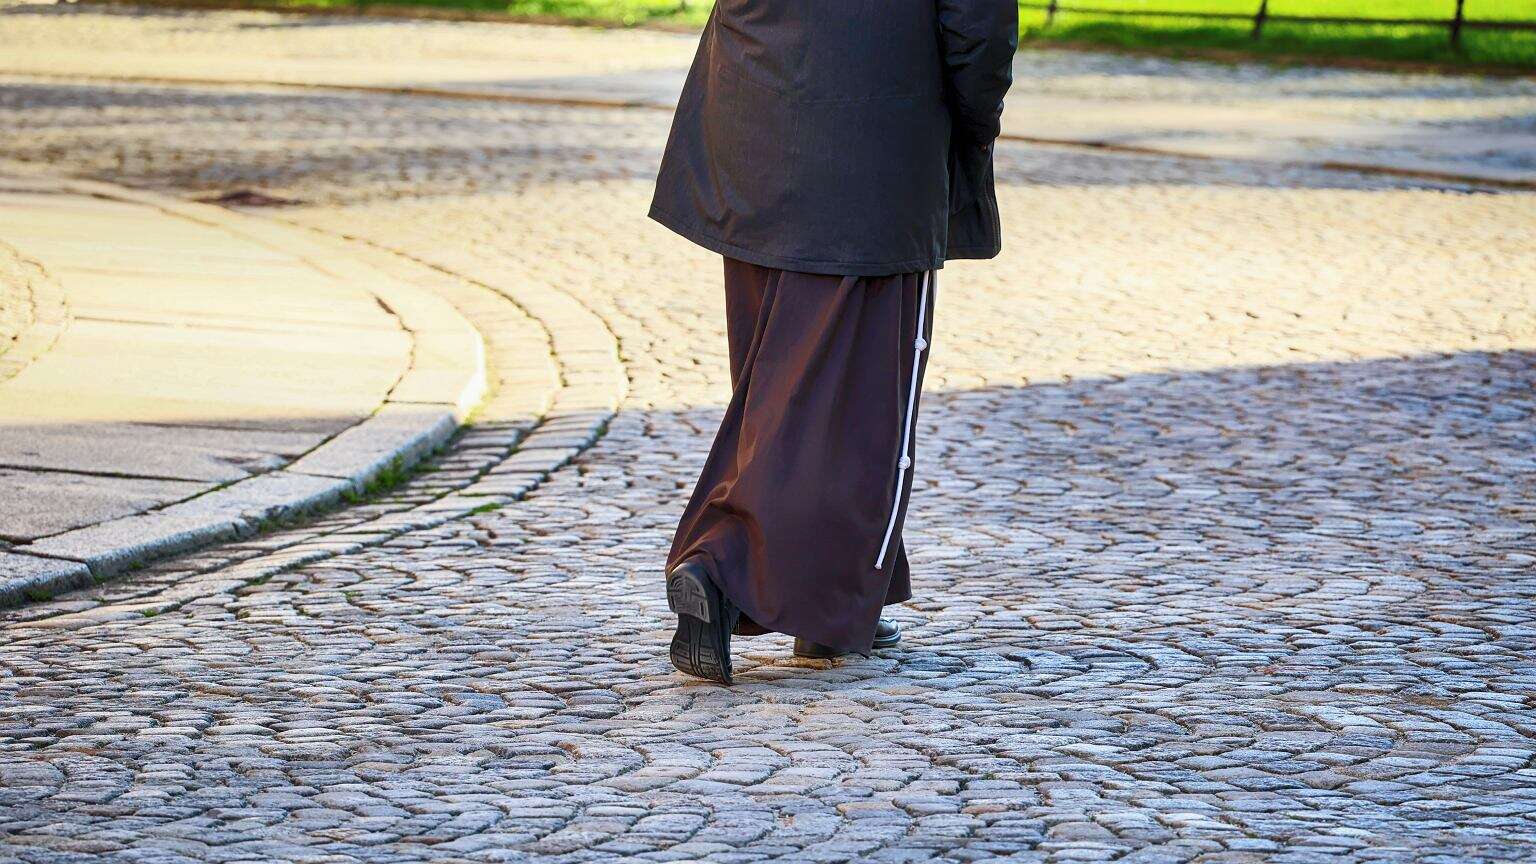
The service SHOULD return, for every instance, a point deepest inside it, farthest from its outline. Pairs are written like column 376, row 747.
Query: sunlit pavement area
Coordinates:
column 1457, row 126
column 1224, row 529
column 181, row 375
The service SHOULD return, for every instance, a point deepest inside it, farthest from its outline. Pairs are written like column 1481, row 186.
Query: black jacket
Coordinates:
column 850, row 137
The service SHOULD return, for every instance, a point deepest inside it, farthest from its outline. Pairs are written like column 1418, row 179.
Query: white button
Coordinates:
column 905, row 462
column 921, row 343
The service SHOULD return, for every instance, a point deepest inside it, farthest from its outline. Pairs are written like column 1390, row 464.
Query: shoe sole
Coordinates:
column 686, row 596
column 699, row 647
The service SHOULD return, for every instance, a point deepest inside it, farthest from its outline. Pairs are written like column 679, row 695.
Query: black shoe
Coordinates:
column 702, row 644
column 887, row 635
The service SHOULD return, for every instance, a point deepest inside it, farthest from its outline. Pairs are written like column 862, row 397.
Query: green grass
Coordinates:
column 1512, row 10
column 390, row 477
column 1378, row 42
column 626, row 13
column 1338, row 42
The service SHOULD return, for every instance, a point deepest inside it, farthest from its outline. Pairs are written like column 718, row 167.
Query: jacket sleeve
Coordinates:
column 978, row 38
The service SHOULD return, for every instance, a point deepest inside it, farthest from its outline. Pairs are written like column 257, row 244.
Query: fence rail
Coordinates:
column 1262, row 16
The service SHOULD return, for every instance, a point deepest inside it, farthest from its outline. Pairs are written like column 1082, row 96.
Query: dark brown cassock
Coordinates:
column 798, row 512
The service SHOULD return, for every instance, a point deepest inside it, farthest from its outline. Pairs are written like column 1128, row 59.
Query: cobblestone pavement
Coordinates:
column 1451, row 124
column 1225, row 542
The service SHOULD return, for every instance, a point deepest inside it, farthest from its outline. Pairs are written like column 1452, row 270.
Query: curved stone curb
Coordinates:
column 555, row 380
column 591, row 385
column 28, row 577
column 423, row 409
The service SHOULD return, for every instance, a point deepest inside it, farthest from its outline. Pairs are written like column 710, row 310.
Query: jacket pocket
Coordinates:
column 975, row 231
column 969, row 167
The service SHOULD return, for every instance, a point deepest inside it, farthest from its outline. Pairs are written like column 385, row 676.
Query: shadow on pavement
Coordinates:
column 1258, row 483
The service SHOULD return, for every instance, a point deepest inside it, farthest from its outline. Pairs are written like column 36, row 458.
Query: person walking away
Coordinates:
column 836, row 154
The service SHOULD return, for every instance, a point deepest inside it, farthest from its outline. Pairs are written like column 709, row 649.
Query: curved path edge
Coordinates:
column 445, row 380
column 553, row 380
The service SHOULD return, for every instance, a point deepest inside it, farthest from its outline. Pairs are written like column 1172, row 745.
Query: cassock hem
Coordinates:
column 696, row 234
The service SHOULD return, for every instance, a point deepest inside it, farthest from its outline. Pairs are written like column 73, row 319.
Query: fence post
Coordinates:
column 1456, row 25
column 1260, row 16
column 1050, row 12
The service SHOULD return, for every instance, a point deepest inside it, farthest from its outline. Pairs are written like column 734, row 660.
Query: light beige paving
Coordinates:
column 164, row 384
column 1467, row 125
column 16, row 312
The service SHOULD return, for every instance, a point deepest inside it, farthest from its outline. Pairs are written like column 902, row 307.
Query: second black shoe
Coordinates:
column 887, row 635
column 702, row 644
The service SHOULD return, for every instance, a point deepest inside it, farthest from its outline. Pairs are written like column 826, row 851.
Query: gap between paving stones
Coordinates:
column 1330, row 165
column 554, row 381
column 47, row 317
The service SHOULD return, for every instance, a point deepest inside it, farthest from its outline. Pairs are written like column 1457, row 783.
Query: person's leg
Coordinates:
column 706, row 618
column 803, row 491
column 917, row 320
column 920, row 325
column 746, row 285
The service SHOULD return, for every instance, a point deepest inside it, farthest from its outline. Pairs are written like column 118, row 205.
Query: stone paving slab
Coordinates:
column 207, row 455
column 299, row 351
column 114, row 545
column 29, row 577
column 40, row 503
column 314, row 382
column 398, row 432
column 1467, row 125
column 208, row 300
column 271, row 496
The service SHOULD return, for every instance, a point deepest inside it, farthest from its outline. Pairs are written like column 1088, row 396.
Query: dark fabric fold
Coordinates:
column 794, row 499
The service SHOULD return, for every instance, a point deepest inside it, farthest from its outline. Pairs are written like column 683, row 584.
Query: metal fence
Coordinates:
column 1455, row 25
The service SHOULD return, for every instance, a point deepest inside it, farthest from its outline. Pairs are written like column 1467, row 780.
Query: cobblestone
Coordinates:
column 1223, row 550
column 1464, row 125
